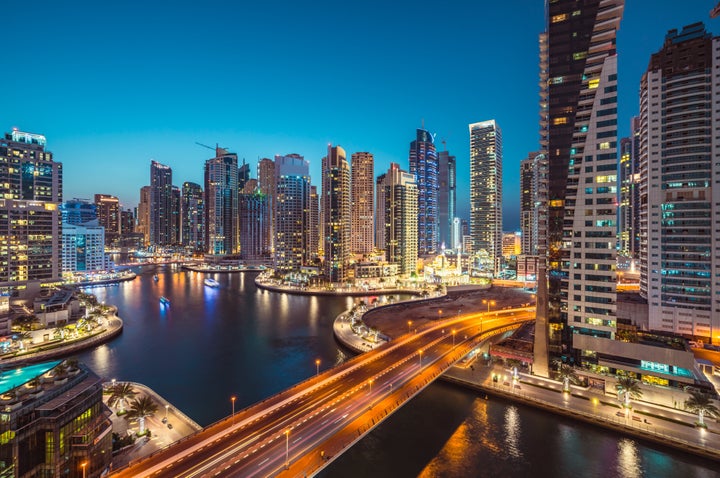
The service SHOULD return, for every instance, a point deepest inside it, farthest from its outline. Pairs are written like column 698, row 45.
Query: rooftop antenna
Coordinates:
column 444, row 143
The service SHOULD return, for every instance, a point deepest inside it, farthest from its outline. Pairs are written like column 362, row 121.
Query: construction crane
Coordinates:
column 715, row 12
column 206, row 146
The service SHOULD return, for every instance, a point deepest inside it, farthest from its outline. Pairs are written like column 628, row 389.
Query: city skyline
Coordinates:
column 109, row 103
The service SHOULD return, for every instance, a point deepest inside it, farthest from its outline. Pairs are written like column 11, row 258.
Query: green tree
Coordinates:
column 566, row 374
column 628, row 388
column 119, row 393
column 701, row 404
column 141, row 409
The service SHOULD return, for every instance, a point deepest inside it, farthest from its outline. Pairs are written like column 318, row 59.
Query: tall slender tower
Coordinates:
column 380, row 212
column 401, row 219
column 424, row 165
column 268, row 186
column 362, row 197
column 107, row 208
column 144, row 214
column 314, row 233
column 533, row 174
column 446, row 197
column 486, row 190
column 336, row 213
column 254, row 228
column 193, row 216
column 30, row 197
column 292, row 182
column 161, row 201
column 578, row 306
column 679, row 193
column 221, row 203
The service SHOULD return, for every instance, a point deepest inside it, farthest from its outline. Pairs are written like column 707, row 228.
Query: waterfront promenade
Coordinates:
column 656, row 421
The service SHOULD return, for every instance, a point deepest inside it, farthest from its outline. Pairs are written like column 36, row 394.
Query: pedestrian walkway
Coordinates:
column 166, row 426
column 661, row 424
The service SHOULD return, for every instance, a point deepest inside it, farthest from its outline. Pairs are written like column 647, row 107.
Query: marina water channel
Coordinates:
column 211, row 344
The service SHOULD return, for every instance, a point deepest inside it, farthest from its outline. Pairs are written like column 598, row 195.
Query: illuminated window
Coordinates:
column 579, row 55
column 605, row 145
column 560, row 120
column 559, row 18
column 556, row 81
column 594, row 83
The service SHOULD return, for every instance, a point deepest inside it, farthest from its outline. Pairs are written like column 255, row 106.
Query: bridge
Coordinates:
column 298, row 431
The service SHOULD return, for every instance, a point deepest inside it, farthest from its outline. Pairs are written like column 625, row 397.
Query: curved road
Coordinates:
column 298, row 431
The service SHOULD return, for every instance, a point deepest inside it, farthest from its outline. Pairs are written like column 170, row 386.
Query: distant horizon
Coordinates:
column 262, row 80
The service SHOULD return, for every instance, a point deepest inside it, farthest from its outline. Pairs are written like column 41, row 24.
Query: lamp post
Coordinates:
column 83, row 465
column 317, row 367
column 232, row 399
column 370, row 382
column 287, row 448
column 166, row 410
column 489, row 303
column 420, row 356
column 409, row 324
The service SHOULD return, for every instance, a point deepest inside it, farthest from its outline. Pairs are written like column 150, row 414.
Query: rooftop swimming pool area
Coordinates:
column 18, row 376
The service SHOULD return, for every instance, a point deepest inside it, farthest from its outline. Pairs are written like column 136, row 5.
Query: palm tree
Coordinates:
column 567, row 375
column 629, row 388
column 59, row 332
column 119, row 393
column 701, row 404
column 142, row 408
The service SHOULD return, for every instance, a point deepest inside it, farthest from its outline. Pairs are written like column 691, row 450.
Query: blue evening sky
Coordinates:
column 115, row 84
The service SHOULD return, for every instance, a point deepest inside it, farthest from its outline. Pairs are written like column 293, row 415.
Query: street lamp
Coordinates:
column 489, row 303
column 317, row 367
column 420, row 356
column 409, row 324
column 287, row 448
column 83, row 465
column 166, row 410
column 232, row 399
column 370, row 382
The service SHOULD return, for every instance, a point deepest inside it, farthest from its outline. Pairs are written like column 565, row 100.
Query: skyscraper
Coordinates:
column 446, row 197
column 533, row 177
column 424, row 165
column 30, row 197
column 143, row 226
column 77, row 212
column 679, row 193
column 363, row 202
column 380, row 226
column 193, row 216
column 486, row 190
column 401, row 219
column 267, row 185
column 336, row 213
column 629, row 194
column 108, row 215
column 314, row 234
column 161, row 203
column 254, row 226
column 292, row 182
column 176, row 216
column 576, row 312
column 221, row 203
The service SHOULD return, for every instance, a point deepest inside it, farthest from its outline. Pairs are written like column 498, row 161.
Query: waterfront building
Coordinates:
column 127, row 222
column 401, row 219
column 221, row 203
column 161, row 204
column 30, row 197
column 456, row 236
column 83, row 249
column 576, row 317
column 533, row 177
column 486, row 191
column 447, row 186
column 176, row 216
column 424, row 165
column 254, row 226
column 679, row 194
column 362, row 198
column 292, row 183
column 143, row 225
column 54, row 423
column 108, row 215
column 77, row 212
column 336, row 212
column 629, row 197
column 268, row 186
column 192, row 215
column 314, row 233
column 380, row 225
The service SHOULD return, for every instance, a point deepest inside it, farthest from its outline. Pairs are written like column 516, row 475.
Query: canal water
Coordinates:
column 210, row 344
